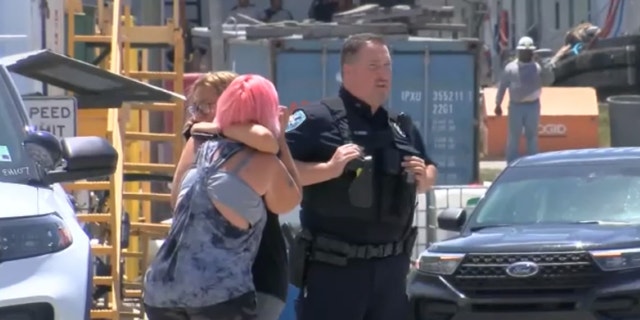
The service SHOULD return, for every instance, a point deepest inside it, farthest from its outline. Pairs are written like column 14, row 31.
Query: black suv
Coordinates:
column 556, row 237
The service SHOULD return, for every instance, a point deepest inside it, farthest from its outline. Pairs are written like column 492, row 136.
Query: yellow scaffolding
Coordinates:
column 111, row 248
column 129, row 131
column 135, row 152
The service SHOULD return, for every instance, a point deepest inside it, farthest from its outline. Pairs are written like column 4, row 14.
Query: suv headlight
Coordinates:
column 611, row 260
column 27, row 237
column 439, row 263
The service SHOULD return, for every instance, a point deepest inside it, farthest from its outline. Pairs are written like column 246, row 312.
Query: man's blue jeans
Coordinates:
column 522, row 115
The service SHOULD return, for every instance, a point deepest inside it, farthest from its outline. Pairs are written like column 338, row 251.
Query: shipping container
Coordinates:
column 434, row 81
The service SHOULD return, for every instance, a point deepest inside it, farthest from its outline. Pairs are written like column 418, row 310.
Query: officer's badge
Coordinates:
column 296, row 119
column 398, row 130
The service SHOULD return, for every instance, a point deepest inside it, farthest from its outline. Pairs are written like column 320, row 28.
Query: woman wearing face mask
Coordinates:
column 203, row 270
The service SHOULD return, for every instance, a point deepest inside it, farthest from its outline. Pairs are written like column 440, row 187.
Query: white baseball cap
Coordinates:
column 526, row 43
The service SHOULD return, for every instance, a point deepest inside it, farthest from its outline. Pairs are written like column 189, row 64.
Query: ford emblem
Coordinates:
column 523, row 269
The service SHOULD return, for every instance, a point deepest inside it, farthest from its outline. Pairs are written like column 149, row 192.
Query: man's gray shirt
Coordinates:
column 524, row 81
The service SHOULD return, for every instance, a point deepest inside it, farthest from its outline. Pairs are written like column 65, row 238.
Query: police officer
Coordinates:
column 361, row 166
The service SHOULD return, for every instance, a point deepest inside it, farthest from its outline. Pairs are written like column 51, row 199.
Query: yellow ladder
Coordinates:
column 128, row 127
column 115, row 184
column 142, row 228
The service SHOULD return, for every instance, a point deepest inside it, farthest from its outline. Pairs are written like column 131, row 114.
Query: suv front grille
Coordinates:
column 31, row 311
column 558, row 273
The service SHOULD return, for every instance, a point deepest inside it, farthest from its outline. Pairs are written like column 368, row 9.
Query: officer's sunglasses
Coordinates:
column 201, row 108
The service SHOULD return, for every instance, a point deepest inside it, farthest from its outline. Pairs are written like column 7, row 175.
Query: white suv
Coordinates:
column 46, row 267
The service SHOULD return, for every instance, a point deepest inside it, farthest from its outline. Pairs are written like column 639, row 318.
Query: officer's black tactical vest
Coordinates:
column 394, row 198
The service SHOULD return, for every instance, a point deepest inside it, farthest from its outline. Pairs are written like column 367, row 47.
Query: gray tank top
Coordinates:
column 187, row 182
column 206, row 260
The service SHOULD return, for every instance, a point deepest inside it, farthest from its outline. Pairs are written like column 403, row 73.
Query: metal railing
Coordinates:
column 434, row 202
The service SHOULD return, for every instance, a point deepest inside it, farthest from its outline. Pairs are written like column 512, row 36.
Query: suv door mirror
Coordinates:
column 44, row 148
column 452, row 219
column 84, row 157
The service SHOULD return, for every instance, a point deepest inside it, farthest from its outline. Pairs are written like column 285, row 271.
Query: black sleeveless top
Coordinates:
column 270, row 269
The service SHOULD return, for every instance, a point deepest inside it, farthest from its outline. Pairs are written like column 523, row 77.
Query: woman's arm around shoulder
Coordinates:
column 253, row 135
column 282, row 193
column 285, row 190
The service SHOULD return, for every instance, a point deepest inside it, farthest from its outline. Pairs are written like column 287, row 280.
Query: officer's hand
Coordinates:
column 342, row 156
column 417, row 167
column 414, row 165
column 498, row 110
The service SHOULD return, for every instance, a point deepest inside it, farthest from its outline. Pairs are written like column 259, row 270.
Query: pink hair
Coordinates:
column 249, row 99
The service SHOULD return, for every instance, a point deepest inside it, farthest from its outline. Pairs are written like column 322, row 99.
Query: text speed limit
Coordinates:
column 56, row 115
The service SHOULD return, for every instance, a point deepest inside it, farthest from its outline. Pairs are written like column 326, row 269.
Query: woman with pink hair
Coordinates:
column 203, row 269
column 203, row 100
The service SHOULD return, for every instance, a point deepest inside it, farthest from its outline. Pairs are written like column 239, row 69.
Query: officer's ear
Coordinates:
column 347, row 69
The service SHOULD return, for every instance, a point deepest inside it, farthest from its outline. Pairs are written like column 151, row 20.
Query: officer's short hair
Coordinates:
column 354, row 43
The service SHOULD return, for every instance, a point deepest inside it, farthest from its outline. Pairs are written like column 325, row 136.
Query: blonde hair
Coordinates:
column 217, row 81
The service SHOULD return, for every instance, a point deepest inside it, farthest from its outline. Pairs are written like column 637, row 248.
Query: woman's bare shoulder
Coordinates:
column 260, row 171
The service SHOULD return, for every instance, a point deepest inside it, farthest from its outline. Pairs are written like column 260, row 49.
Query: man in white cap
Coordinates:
column 524, row 78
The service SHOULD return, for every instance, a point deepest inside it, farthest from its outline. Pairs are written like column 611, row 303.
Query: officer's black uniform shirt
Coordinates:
column 270, row 269
column 315, row 139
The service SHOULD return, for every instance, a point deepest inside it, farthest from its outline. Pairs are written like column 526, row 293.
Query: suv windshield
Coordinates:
column 15, row 164
column 607, row 192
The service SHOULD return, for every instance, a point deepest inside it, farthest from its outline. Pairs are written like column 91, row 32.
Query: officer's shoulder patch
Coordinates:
column 296, row 119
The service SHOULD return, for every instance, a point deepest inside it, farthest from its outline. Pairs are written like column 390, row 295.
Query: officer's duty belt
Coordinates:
column 329, row 250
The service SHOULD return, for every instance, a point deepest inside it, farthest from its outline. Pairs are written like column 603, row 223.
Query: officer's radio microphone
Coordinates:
column 405, row 124
column 360, row 190
column 411, row 177
column 356, row 165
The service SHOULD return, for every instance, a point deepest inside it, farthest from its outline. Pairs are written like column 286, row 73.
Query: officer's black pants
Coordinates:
column 240, row 308
column 362, row 290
